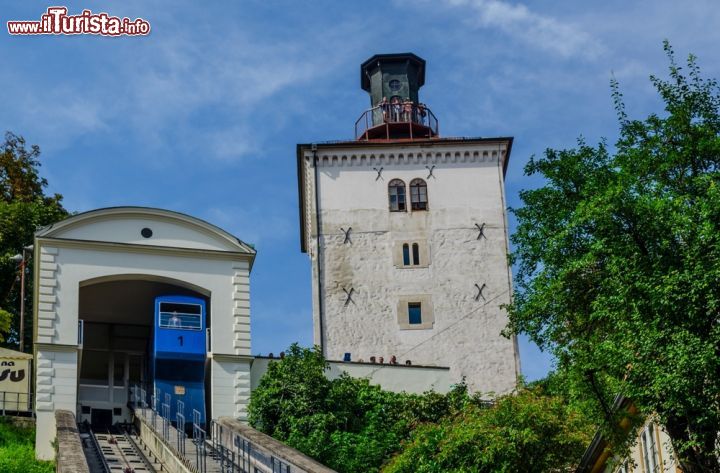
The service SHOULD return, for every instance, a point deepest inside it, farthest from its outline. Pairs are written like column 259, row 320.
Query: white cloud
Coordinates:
column 177, row 90
column 537, row 30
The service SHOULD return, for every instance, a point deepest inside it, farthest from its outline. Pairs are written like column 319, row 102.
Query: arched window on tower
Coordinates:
column 396, row 195
column 418, row 195
column 406, row 254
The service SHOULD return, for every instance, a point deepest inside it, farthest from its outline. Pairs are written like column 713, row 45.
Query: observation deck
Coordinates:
column 389, row 121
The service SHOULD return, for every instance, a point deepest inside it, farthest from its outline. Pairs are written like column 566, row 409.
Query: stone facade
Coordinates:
column 462, row 279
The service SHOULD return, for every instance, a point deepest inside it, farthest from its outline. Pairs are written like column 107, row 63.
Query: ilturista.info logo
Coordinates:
column 57, row 21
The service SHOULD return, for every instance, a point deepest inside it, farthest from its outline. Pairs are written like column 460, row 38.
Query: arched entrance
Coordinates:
column 116, row 315
column 101, row 270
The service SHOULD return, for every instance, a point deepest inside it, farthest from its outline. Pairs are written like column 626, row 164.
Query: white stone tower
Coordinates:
column 407, row 234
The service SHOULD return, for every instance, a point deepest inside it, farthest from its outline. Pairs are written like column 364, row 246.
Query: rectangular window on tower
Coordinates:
column 414, row 313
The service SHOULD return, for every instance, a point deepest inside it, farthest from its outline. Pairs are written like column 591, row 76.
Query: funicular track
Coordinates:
column 114, row 450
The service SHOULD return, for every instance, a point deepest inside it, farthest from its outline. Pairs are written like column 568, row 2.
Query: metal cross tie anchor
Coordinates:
column 481, row 230
column 347, row 235
column 349, row 296
column 480, row 292
column 430, row 170
column 379, row 171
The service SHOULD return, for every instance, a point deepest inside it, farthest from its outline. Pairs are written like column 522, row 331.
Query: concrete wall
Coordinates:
column 397, row 378
column 466, row 189
column 71, row 457
column 264, row 450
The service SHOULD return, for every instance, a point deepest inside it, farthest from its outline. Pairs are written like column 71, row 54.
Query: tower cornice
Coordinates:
column 396, row 152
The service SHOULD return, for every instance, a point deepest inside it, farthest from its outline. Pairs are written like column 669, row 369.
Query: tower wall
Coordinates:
column 459, row 329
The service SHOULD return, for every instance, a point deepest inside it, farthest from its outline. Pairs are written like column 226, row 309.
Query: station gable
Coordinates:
column 147, row 227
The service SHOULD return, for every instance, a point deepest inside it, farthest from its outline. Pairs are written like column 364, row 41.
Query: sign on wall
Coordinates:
column 14, row 384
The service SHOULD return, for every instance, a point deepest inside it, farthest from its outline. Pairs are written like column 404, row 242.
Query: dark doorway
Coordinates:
column 101, row 418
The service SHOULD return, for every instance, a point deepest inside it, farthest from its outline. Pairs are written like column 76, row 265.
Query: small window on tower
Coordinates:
column 418, row 194
column 414, row 313
column 396, row 195
column 409, row 254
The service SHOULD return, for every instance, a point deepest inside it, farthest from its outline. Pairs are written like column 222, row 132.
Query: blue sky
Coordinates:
column 202, row 116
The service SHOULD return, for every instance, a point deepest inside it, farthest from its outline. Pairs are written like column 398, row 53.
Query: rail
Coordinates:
column 399, row 113
column 111, row 449
column 94, row 450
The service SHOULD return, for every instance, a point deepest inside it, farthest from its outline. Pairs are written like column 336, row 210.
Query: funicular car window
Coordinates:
column 180, row 316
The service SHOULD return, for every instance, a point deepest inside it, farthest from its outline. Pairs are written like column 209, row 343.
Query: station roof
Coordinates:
column 88, row 226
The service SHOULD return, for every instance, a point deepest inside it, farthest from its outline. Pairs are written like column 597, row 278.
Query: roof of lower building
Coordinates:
column 14, row 355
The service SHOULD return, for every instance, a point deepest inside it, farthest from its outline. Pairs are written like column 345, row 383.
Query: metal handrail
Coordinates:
column 226, row 448
column 199, row 436
column 22, row 401
column 388, row 113
column 180, row 426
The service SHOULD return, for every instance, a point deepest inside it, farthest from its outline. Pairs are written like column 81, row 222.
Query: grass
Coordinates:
column 17, row 450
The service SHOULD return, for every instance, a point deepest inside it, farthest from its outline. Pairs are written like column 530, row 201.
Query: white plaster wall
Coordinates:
column 45, row 434
column 75, row 265
column 396, row 378
column 56, row 388
column 168, row 232
column 231, row 388
column 466, row 188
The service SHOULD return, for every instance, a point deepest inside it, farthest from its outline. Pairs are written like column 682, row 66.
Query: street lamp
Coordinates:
column 21, row 259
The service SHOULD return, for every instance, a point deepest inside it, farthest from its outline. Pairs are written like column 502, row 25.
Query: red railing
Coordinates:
column 389, row 114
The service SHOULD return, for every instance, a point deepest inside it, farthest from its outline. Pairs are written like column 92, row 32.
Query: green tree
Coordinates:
column 24, row 207
column 525, row 432
column 344, row 423
column 618, row 258
column 294, row 387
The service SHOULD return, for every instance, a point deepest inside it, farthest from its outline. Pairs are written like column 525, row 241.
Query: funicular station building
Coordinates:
column 102, row 281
